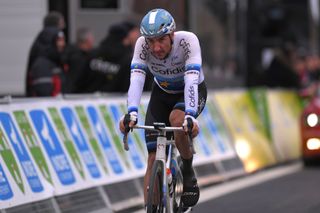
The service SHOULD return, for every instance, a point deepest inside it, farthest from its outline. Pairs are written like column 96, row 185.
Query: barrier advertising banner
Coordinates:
column 250, row 141
column 53, row 146
column 214, row 141
column 21, row 180
column 284, row 113
column 261, row 106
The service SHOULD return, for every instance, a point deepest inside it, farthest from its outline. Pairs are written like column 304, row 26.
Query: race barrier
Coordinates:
column 264, row 125
column 66, row 154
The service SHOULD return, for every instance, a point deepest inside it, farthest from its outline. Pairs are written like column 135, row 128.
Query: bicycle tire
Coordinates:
column 178, row 186
column 155, row 193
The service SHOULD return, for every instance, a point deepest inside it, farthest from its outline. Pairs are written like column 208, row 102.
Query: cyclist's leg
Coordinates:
column 191, row 190
column 191, row 193
column 146, row 179
column 176, row 119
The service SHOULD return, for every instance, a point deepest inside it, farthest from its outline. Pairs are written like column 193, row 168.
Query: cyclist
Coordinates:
column 178, row 94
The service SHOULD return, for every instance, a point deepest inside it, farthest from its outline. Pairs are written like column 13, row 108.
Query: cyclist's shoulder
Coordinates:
column 141, row 39
column 185, row 35
column 141, row 47
column 141, row 43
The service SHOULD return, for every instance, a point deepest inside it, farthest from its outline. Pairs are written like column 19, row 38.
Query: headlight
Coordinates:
column 313, row 144
column 312, row 120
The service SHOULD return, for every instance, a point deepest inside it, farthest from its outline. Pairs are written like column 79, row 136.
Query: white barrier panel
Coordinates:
column 21, row 180
column 213, row 142
column 53, row 147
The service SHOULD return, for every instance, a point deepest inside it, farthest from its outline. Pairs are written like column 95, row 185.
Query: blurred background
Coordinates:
column 250, row 49
column 238, row 37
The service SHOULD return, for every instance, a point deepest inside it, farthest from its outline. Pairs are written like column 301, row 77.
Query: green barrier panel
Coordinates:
column 30, row 139
column 284, row 111
column 92, row 140
column 66, row 140
column 10, row 161
column 117, row 140
column 136, row 136
column 250, row 141
column 260, row 104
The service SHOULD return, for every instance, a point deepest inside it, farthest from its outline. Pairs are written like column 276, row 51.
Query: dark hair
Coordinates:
column 52, row 19
column 82, row 34
column 122, row 29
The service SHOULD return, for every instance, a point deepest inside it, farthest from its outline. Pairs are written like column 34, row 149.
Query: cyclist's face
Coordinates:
column 161, row 46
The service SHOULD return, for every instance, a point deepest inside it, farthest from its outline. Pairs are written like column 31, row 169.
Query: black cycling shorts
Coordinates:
column 160, row 106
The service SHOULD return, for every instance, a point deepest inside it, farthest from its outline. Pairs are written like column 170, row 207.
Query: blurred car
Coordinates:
column 310, row 131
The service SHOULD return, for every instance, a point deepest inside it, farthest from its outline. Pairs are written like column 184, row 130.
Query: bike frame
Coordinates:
column 167, row 160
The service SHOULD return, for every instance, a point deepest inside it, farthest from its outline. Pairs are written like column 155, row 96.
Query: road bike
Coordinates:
column 166, row 180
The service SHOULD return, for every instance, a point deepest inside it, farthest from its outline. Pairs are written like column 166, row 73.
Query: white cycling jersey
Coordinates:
column 179, row 72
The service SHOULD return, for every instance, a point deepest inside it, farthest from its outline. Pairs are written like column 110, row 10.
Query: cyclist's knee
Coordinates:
column 176, row 118
column 151, row 158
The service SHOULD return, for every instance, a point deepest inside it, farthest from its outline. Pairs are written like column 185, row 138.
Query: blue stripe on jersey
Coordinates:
column 191, row 112
column 196, row 67
column 174, row 81
column 139, row 66
column 179, row 105
column 133, row 109
column 174, row 86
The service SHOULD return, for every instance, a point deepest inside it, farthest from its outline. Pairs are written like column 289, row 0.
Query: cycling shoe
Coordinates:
column 191, row 192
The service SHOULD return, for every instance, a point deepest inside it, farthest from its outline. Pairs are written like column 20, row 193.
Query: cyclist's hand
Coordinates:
column 190, row 124
column 128, row 121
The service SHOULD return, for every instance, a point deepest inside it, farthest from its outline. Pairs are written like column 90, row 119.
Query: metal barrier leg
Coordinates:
column 105, row 198
column 55, row 205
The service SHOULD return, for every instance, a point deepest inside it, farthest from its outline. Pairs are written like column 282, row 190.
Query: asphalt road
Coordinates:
column 288, row 189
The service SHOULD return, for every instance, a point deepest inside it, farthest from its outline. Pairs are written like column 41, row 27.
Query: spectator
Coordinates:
column 52, row 19
column 109, row 69
column 78, row 56
column 281, row 72
column 308, row 67
column 46, row 75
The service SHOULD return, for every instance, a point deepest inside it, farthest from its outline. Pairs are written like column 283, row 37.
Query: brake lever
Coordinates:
column 127, row 130
column 125, row 141
column 190, row 126
column 191, row 144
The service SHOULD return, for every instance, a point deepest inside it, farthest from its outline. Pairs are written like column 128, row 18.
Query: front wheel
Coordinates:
column 155, row 201
column 178, row 187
